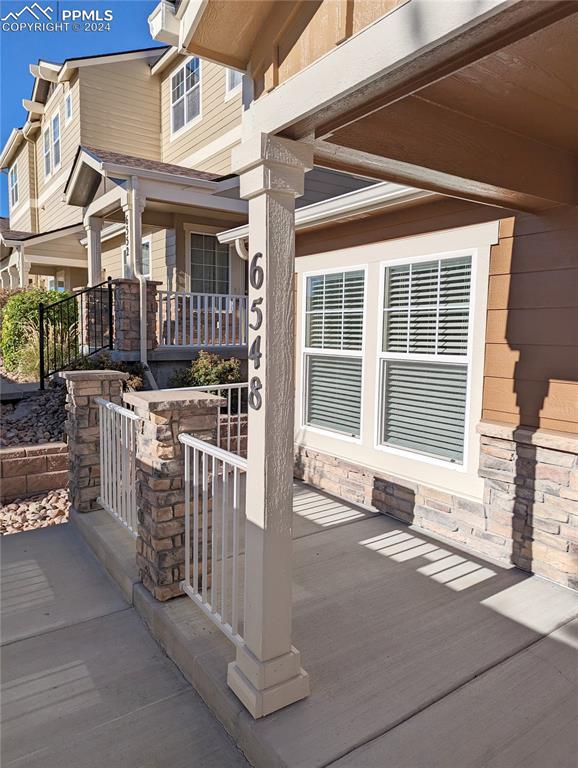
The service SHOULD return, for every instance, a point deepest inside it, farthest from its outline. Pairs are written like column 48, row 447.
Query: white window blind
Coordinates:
column 424, row 366
column 47, row 154
column 13, row 185
column 334, row 308
column 186, row 94
column 209, row 265
column 56, row 140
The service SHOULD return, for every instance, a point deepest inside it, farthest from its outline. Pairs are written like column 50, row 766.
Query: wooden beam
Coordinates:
column 436, row 148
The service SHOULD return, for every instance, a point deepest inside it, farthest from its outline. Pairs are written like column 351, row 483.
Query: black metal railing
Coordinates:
column 74, row 328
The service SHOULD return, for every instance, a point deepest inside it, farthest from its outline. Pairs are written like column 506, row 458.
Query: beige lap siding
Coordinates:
column 218, row 117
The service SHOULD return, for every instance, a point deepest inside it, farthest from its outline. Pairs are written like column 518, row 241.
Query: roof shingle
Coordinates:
column 106, row 156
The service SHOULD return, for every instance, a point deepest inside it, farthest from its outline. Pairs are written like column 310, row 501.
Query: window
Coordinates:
column 209, row 265
column 186, row 94
column 424, row 358
column 46, row 152
column 234, row 80
column 68, row 108
column 146, row 258
column 13, row 185
column 334, row 307
column 56, row 141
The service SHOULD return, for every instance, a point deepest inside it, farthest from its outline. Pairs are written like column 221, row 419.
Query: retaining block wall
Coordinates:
column 28, row 470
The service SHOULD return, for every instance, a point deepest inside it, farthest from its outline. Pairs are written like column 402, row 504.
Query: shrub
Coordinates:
column 57, row 339
column 104, row 362
column 20, row 314
column 208, row 370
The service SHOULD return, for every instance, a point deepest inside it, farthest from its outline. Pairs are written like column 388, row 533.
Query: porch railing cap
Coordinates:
column 94, row 375
column 168, row 400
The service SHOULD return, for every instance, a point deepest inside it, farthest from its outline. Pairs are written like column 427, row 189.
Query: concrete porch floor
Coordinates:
column 419, row 654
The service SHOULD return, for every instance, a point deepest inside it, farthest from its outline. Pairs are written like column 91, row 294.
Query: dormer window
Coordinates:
column 13, row 186
column 185, row 94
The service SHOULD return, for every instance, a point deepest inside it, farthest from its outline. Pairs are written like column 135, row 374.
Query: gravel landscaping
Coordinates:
column 36, row 512
column 37, row 418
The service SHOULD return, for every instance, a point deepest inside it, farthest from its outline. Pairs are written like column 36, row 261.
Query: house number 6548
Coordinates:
column 256, row 278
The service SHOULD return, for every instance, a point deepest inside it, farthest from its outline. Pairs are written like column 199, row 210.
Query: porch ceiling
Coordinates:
column 503, row 129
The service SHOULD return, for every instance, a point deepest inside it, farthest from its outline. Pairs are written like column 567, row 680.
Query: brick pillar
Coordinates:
column 160, row 480
column 83, row 431
column 127, row 313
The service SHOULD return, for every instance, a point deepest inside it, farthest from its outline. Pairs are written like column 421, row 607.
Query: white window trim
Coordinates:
column 463, row 360
column 200, row 229
column 230, row 93
column 56, row 116
column 68, row 100
column 305, row 351
column 47, row 154
column 126, row 267
column 175, row 134
column 13, row 183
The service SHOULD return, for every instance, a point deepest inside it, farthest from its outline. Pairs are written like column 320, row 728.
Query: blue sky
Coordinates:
column 128, row 31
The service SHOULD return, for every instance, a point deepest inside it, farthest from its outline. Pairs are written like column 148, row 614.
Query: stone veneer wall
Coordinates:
column 529, row 515
column 32, row 469
column 127, row 314
column 160, row 543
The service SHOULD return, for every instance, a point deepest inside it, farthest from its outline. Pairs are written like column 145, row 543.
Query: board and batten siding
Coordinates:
column 531, row 365
column 53, row 213
column 219, row 116
column 120, row 108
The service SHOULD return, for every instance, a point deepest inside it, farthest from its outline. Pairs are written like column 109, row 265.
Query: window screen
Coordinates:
column 209, row 265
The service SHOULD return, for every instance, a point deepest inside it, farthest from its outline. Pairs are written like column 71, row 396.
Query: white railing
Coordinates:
column 118, row 462
column 214, row 533
column 201, row 319
column 232, row 423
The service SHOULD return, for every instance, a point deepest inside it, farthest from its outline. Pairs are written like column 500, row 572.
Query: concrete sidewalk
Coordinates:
column 421, row 655
column 83, row 682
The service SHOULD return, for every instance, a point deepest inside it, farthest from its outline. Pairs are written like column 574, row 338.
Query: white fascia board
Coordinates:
column 46, row 70
column 56, row 261
column 126, row 171
column 33, row 107
column 178, row 194
column 410, row 30
column 13, row 142
column 366, row 200
column 165, row 61
column 47, row 237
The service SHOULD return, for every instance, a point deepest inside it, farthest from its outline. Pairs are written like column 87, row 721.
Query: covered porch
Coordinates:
column 410, row 643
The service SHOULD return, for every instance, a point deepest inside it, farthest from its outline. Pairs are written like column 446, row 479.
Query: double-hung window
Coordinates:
column 46, row 150
column 332, row 356
column 209, row 265
column 13, row 185
column 56, row 141
column 185, row 94
column 425, row 357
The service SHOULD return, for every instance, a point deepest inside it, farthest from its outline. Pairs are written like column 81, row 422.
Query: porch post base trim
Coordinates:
column 262, row 703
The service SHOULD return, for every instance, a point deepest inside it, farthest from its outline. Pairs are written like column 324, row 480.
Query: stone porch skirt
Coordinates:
column 529, row 514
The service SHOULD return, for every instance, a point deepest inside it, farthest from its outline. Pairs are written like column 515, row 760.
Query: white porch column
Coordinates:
column 93, row 231
column 14, row 276
column 267, row 673
column 133, row 212
column 23, row 267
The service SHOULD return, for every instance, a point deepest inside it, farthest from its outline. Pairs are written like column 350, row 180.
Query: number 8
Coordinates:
column 255, row 399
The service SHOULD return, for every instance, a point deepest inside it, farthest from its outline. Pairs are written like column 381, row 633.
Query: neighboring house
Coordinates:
column 163, row 125
column 436, row 342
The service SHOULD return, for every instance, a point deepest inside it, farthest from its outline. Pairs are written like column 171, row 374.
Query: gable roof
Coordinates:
column 92, row 164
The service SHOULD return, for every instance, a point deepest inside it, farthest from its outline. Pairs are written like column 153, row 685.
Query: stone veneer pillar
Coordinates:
column 160, row 480
column 531, row 496
column 127, row 313
column 83, row 431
